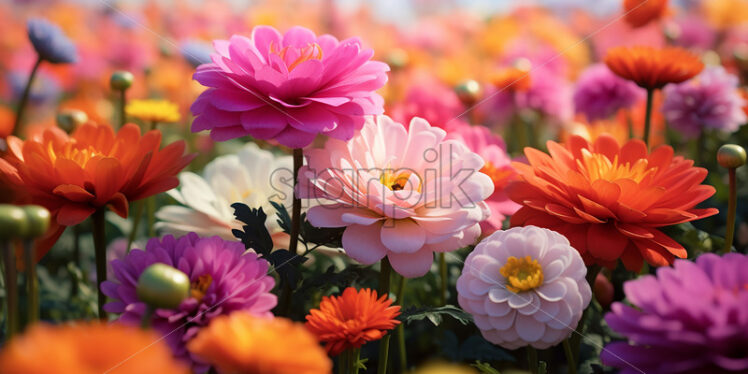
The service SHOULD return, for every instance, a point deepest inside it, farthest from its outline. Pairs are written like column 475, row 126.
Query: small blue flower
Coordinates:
column 50, row 42
column 196, row 52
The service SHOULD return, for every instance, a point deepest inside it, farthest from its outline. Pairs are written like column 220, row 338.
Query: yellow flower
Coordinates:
column 153, row 110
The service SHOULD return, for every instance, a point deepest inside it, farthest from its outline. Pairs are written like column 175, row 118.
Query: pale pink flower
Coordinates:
column 404, row 194
column 524, row 286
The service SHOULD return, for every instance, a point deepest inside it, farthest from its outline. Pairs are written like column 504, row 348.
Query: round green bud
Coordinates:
column 37, row 218
column 162, row 286
column 70, row 119
column 731, row 156
column 468, row 91
column 13, row 222
column 397, row 59
column 121, row 80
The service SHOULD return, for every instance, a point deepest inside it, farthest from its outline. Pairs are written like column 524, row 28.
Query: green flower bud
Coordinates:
column 162, row 286
column 70, row 119
column 468, row 91
column 13, row 223
column 121, row 80
column 37, row 218
column 731, row 156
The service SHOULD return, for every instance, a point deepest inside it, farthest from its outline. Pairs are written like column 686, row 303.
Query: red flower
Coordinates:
column 73, row 176
column 653, row 68
column 610, row 200
column 352, row 319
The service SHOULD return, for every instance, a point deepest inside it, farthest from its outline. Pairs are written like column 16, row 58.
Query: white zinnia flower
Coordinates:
column 252, row 176
column 524, row 286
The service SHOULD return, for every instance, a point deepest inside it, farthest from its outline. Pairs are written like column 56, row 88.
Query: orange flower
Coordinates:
column 610, row 200
column 638, row 13
column 73, row 176
column 512, row 79
column 242, row 343
column 653, row 68
column 6, row 122
column 352, row 319
column 88, row 348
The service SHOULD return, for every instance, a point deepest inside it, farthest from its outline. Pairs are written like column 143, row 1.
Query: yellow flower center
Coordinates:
column 75, row 153
column 312, row 51
column 598, row 166
column 522, row 274
column 199, row 287
column 499, row 176
column 397, row 181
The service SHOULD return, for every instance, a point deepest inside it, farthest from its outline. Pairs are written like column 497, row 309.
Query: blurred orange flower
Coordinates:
column 243, row 343
column 638, row 13
column 653, row 68
column 352, row 319
column 6, row 121
column 512, row 79
column 610, row 200
column 73, row 176
column 88, row 348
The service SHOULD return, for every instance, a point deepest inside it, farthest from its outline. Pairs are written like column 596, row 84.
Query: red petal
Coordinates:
column 73, row 193
column 71, row 214
column 605, row 242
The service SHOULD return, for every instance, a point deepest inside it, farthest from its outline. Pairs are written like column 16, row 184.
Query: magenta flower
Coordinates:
column 498, row 167
column 689, row 319
column 709, row 101
column 600, row 93
column 225, row 278
column 287, row 88
column 404, row 194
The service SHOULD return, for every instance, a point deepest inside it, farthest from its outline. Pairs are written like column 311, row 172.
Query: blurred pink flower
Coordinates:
column 287, row 88
column 430, row 99
column 498, row 167
column 404, row 194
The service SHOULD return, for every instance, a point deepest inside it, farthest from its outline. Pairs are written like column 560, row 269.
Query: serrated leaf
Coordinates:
column 435, row 314
column 286, row 264
column 284, row 219
column 329, row 236
column 254, row 234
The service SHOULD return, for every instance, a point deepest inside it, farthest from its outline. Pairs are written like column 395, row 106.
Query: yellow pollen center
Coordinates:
column 73, row 152
column 199, row 287
column 598, row 166
column 500, row 177
column 397, row 181
column 522, row 274
column 312, row 51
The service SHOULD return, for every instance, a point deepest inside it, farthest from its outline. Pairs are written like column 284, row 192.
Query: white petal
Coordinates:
column 552, row 271
column 553, row 291
column 496, row 309
column 518, row 300
column 499, row 294
column 528, row 328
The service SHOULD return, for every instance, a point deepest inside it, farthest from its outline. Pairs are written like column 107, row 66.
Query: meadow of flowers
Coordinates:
column 317, row 186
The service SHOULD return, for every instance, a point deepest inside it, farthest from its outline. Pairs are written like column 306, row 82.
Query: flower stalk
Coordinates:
column 298, row 160
column 731, row 156
column 11, row 288
column 403, row 356
column 570, row 361
column 384, row 289
column 25, row 98
column 648, row 116
column 32, row 283
column 444, row 280
column 532, row 359
column 99, row 237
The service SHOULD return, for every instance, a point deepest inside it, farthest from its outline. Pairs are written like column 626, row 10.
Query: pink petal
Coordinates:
column 411, row 265
column 402, row 236
column 362, row 243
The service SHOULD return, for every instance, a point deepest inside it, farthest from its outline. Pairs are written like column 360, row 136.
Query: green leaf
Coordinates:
column 284, row 219
column 484, row 368
column 253, row 234
column 435, row 314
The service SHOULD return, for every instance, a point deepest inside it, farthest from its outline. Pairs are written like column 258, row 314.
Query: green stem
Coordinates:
column 400, row 331
column 25, row 98
column 298, row 160
column 384, row 289
column 31, row 282
column 356, row 355
column 343, row 363
column 122, row 105
column 731, row 209
column 11, row 289
column 570, row 362
column 576, row 338
column 150, row 203
column 648, row 115
column 154, row 124
column 135, row 223
column 145, row 322
column 443, row 274
column 99, row 237
column 532, row 359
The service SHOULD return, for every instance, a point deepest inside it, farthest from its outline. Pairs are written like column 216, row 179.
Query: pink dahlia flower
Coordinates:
column 498, row 167
column 524, row 286
column 287, row 88
column 430, row 99
column 404, row 194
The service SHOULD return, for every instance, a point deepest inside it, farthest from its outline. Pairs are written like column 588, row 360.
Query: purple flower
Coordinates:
column 288, row 88
column 50, row 42
column 600, row 94
column 549, row 95
column 690, row 319
column 224, row 276
column 710, row 100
